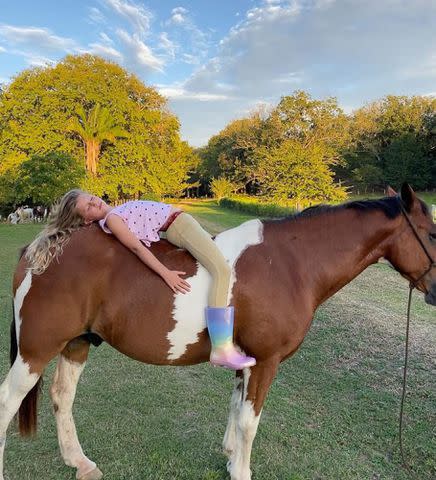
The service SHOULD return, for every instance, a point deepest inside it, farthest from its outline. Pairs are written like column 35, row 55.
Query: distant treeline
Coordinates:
column 88, row 123
column 309, row 150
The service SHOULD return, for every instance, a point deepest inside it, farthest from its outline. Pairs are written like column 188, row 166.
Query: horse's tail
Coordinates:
column 28, row 412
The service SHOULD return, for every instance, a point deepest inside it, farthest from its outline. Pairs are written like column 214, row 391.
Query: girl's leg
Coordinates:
column 187, row 233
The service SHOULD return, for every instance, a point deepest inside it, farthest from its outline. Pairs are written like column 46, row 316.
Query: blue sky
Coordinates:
column 217, row 60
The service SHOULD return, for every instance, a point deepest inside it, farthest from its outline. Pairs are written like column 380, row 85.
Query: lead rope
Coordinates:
column 406, row 359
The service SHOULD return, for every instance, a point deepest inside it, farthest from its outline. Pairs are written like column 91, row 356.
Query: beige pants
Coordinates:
column 186, row 232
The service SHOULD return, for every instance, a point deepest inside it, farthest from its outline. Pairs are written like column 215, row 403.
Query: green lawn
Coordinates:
column 331, row 413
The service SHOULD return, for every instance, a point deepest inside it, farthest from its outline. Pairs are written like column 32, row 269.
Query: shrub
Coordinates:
column 222, row 187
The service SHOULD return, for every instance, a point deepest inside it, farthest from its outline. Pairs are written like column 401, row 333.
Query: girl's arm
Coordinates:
column 129, row 240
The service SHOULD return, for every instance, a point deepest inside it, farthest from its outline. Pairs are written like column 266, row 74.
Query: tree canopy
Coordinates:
column 37, row 112
column 307, row 149
column 286, row 153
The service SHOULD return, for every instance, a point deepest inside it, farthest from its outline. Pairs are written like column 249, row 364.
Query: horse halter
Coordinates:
column 432, row 263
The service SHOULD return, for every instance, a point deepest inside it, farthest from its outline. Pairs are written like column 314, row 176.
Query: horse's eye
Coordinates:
column 432, row 237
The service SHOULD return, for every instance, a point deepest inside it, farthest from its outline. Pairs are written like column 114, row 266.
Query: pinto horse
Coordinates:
column 282, row 270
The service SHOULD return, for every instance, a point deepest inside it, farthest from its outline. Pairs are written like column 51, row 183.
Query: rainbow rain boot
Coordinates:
column 220, row 325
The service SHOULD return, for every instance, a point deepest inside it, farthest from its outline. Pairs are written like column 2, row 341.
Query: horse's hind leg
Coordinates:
column 17, row 384
column 69, row 368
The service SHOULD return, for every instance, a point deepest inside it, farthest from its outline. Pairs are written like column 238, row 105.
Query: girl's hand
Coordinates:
column 176, row 283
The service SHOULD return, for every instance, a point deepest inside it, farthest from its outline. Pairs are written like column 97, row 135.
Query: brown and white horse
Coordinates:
column 282, row 271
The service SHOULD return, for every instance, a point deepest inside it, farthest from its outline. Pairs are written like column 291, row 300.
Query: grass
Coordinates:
column 331, row 413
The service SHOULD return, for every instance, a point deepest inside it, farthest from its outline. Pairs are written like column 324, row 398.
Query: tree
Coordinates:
column 231, row 153
column 392, row 138
column 167, row 170
column 406, row 159
column 44, row 178
column 303, row 139
column 36, row 110
column 222, row 188
column 93, row 129
column 297, row 172
column 246, row 150
column 299, row 117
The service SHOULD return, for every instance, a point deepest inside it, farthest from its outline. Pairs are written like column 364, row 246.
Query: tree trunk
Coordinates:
column 92, row 153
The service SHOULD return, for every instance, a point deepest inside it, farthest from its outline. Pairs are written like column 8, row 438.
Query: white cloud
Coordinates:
column 167, row 45
column 37, row 38
column 95, row 15
column 354, row 50
column 38, row 61
column 105, row 51
column 178, row 16
column 2, row 49
column 291, row 78
column 322, row 47
column 138, row 16
column 196, row 42
column 427, row 68
column 191, row 59
column 105, row 38
column 178, row 92
column 138, row 54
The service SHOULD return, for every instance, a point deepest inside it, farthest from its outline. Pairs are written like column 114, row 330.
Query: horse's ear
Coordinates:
column 390, row 192
column 407, row 196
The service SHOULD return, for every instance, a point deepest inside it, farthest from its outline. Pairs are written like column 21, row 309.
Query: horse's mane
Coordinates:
column 390, row 206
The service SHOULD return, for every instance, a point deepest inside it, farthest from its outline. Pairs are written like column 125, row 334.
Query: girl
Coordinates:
column 136, row 224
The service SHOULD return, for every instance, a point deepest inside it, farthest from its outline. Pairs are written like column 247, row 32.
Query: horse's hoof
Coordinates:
column 95, row 474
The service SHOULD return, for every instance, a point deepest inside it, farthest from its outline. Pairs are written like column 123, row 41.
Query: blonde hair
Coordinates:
column 64, row 219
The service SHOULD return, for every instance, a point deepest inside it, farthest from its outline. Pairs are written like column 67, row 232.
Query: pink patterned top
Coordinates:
column 144, row 219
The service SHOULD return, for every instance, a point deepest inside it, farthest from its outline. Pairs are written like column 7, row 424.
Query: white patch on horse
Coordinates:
column 229, row 441
column 246, row 423
column 20, row 294
column 189, row 308
column 17, row 384
column 239, row 464
column 19, row 381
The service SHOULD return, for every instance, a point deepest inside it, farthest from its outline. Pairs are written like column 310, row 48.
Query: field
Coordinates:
column 332, row 412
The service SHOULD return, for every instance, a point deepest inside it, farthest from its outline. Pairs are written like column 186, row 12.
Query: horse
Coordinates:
column 25, row 214
column 13, row 218
column 38, row 213
column 282, row 270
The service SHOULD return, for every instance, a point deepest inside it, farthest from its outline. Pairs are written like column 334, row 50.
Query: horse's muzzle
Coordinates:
column 430, row 297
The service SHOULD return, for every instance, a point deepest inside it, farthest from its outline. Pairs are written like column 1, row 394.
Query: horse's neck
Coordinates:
column 338, row 246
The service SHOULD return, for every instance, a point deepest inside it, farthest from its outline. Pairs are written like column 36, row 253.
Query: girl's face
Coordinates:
column 91, row 208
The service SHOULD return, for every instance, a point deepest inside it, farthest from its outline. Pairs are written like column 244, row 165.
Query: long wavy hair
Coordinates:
column 63, row 221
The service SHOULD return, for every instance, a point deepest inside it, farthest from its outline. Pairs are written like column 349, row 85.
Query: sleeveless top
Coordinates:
column 143, row 218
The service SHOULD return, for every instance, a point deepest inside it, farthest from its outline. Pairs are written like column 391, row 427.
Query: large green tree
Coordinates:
column 270, row 149
column 36, row 109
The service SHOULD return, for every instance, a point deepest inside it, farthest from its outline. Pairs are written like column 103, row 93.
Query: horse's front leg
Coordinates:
column 229, row 442
column 256, row 383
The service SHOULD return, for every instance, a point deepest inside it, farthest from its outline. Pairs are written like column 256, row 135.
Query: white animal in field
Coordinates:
column 13, row 218
column 25, row 214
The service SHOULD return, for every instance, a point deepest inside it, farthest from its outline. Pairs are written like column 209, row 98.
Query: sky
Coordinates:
column 218, row 60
